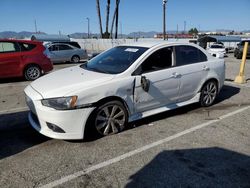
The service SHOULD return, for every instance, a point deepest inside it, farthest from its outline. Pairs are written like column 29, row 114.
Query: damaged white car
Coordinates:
column 123, row 84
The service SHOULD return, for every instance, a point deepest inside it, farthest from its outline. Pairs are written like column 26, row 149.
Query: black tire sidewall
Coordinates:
column 118, row 103
column 75, row 56
column 26, row 75
column 202, row 94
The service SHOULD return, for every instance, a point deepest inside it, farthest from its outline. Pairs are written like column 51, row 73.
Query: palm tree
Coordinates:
column 99, row 16
column 106, row 34
column 115, row 18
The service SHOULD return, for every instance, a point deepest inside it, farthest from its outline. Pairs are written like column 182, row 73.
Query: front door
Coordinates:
column 161, row 80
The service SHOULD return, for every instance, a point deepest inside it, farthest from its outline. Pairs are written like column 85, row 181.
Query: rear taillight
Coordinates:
column 46, row 53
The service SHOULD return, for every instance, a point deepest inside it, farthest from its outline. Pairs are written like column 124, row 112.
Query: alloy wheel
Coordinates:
column 32, row 73
column 75, row 59
column 110, row 119
column 208, row 94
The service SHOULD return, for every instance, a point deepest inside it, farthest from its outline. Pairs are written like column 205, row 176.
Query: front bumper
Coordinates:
column 72, row 122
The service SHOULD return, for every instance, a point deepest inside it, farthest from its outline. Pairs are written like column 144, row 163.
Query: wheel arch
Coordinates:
column 29, row 64
column 208, row 80
column 74, row 56
column 113, row 98
column 89, row 128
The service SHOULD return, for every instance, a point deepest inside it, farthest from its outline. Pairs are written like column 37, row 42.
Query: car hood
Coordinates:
column 64, row 82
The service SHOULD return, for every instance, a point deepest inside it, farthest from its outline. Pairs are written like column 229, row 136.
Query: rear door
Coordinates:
column 192, row 66
column 9, row 59
column 66, row 52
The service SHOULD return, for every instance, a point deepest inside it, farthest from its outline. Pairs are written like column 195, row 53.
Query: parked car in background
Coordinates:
column 23, row 58
column 123, row 84
column 238, row 52
column 217, row 50
column 61, row 52
column 72, row 43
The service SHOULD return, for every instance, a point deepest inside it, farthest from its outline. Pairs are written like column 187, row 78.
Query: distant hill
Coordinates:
column 78, row 35
column 18, row 35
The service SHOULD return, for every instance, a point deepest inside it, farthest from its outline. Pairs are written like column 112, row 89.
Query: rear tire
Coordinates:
column 208, row 93
column 32, row 72
column 239, row 56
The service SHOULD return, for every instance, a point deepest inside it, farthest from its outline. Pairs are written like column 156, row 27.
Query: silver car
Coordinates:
column 60, row 52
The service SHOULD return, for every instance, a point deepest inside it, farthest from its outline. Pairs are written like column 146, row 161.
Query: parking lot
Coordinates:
column 187, row 147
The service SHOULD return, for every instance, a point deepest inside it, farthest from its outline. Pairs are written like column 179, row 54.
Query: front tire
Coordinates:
column 110, row 118
column 32, row 72
column 208, row 93
column 239, row 56
column 75, row 59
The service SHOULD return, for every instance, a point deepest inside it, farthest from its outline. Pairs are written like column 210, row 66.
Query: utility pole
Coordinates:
column 164, row 2
column 35, row 26
column 185, row 23
column 88, row 26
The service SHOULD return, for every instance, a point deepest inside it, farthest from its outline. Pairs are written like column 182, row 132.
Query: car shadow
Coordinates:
column 11, row 80
column 16, row 135
column 201, row 167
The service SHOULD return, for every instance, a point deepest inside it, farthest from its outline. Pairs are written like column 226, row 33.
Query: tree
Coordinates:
column 106, row 34
column 99, row 16
column 193, row 31
column 115, row 18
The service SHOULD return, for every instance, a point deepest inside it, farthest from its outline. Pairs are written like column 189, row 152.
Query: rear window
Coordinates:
column 26, row 46
column 188, row 54
column 216, row 46
column 6, row 47
column 64, row 47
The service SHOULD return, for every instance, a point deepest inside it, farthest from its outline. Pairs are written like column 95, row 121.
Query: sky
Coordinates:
column 69, row 16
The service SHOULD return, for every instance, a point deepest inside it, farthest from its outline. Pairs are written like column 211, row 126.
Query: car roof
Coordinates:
column 20, row 40
column 155, row 44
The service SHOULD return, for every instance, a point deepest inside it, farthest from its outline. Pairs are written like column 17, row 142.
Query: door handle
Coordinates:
column 205, row 68
column 175, row 75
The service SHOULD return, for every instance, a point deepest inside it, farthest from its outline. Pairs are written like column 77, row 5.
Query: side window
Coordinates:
column 6, row 47
column 53, row 48
column 160, row 59
column 26, row 46
column 64, row 47
column 188, row 54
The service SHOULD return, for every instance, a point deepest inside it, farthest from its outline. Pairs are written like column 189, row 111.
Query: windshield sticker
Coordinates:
column 131, row 50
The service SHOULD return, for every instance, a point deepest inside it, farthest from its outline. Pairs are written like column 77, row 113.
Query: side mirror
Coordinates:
column 145, row 83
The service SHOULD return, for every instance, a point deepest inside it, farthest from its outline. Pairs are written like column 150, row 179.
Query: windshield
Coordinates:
column 115, row 60
column 217, row 46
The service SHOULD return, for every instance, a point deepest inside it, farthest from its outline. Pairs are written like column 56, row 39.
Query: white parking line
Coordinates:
column 138, row 150
column 14, row 110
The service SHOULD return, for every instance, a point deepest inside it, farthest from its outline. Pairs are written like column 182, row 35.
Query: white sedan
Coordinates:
column 217, row 50
column 120, row 85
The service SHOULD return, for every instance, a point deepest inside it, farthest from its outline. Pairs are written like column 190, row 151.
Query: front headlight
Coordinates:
column 61, row 103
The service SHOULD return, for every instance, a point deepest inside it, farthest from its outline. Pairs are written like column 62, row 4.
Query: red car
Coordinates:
column 23, row 58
